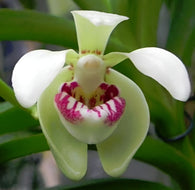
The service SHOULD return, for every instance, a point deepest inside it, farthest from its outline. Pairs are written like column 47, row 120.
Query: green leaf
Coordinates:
column 32, row 25
column 29, row 4
column 169, row 160
column 143, row 23
column 22, row 147
column 4, row 106
column 125, row 32
column 152, row 151
column 113, row 184
column 60, row 7
column 182, row 30
column 7, row 93
column 100, row 5
column 14, row 119
column 189, row 49
column 192, row 134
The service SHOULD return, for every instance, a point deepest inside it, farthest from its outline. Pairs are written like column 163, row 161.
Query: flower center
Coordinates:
column 100, row 96
column 74, row 105
column 89, row 72
column 89, row 108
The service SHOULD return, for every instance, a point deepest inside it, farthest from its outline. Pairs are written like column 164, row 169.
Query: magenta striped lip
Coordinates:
column 104, row 104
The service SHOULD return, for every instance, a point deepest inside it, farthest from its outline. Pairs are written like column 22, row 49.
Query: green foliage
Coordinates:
column 7, row 93
column 21, row 146
column 182, row 29
column 17, row 115
column 29, row 4
column 32, row 25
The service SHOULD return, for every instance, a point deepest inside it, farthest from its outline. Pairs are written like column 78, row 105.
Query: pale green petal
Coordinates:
column 116, row 151
column 70, row 154
column 113, row 58
column 94, row 28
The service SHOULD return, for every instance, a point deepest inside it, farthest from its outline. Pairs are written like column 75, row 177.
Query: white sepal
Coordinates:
column 34, row 72
column 159, row 64
column 165, row 68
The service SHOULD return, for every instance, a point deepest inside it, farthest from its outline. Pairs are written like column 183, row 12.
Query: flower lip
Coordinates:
column 100, row 110
column 102, row 95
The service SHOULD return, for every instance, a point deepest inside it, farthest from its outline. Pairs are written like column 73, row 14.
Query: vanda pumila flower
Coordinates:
column 81, row 100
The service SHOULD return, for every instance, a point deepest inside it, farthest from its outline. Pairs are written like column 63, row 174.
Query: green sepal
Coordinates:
column 116, row 151
column 94, row 29
column 70, row 154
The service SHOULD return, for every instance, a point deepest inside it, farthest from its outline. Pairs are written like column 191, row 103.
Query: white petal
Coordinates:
column 165, row 68
column 34, row 72
column 159, row 64
column 93, row 30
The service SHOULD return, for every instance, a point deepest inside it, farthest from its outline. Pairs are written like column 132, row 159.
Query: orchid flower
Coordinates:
column 81, row 100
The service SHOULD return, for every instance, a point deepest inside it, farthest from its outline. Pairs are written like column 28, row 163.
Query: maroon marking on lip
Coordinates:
column 97, row 111
column 71, row 115
column 108, row 98
column 114, row 116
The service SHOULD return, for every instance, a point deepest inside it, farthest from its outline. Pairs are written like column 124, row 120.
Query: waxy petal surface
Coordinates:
column 161, row 65
column 93, row 30
column 34, row 72
column 70, row 154
column 116, row 151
